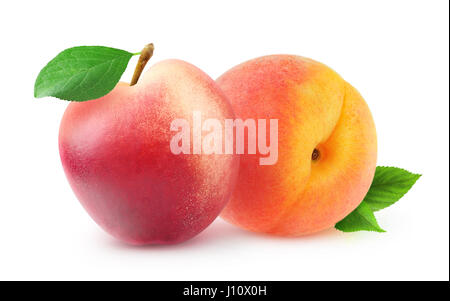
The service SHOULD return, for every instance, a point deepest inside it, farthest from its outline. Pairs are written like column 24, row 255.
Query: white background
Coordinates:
column 396, row 53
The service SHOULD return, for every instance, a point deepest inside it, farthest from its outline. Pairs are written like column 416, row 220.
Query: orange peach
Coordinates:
column 327, row 146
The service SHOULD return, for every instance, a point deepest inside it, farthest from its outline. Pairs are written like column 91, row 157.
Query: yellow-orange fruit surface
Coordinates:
column 318, row 112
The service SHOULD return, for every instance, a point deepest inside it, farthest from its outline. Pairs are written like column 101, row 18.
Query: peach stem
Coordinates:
column 146, row 54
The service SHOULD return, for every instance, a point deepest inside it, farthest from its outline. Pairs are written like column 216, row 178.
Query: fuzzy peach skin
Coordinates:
column 316, row 109
column 116, row 154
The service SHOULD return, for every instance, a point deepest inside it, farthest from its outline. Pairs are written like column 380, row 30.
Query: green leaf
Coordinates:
column 82, row 73
column 388, row 186
column 361, row 218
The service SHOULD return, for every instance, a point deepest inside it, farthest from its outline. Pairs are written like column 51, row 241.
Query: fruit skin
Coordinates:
column 315, row 108
column 115, row 151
